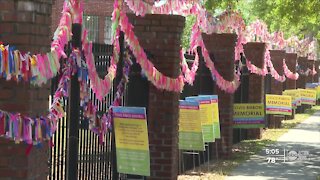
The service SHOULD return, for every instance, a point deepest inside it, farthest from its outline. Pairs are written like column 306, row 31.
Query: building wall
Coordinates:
column 100, row 8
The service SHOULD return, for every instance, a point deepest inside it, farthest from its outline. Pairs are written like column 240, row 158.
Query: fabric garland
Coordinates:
column 289, row 74
column 189, row 74
column 101, row 87
column 153, row 75
column 102, row 125
column 35, row 130
column 314, row 72
column 227, row 86
column 273, row 71
column 255, row 70
column 39, row 68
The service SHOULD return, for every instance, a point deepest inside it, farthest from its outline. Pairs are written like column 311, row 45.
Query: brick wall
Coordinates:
column 291, row 61
column 221, row 46
column 277, row 56
column 100, row 8
column 254, row 52
column 161, row 36
column 25, row 24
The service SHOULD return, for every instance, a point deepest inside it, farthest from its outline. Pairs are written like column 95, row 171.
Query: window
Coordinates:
column 91, row 23
column 107, row 30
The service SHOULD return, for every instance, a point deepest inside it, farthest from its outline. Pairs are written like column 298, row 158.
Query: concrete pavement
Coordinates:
column 295, row 156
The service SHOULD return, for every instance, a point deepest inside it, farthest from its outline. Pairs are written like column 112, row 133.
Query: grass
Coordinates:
column 243, row 150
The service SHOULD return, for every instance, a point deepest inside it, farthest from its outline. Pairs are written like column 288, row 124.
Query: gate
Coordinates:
column 95, row 161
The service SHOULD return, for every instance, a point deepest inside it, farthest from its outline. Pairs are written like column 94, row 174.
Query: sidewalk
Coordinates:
column 301, row 147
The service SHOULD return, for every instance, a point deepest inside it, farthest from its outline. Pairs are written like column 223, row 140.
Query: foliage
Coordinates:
column 293, row 17
column 190, row 20
column 290, row 16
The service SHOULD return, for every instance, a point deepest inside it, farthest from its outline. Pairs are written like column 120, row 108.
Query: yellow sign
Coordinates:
column 189, row 120
column 308, row 96
column 295, row 94
column 278, row 104
column 248, row 115
column 206, row 113
column 131, row 134
column 190, row 129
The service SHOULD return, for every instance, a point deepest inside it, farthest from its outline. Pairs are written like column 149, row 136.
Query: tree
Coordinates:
column 290, row 16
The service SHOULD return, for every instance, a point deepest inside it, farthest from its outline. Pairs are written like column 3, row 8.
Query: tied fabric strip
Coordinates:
column 39, row 68
column 102, row 125
column 289, row 74
column 255, row 70
column 227, row 86
column 273, row 71
column 101, row 87
column 31, row 130
column 154, row 76
column 189, row 74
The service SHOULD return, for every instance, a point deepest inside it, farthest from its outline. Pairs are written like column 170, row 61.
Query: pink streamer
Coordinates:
column 189, row 75
column 289, row 74
column 153, row 75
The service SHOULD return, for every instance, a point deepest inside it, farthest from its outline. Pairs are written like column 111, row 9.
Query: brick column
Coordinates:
column 291, row 61
column 316, row 77
column 301, row 82
column 277, row 57
column 310, row 63
column 254, row 52
column 221, row 46
column 161, row 36
column 26, row 25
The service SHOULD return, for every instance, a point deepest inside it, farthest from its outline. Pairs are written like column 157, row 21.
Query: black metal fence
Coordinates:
column 95, row 160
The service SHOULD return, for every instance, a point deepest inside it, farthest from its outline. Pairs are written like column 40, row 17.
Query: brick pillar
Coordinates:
column 26, row 25
column 254, row 52
column 301, row 82
column 161, row 36
column 291, row 61
column 310, row 63
column 316, row 77
column 277, row 57
column 221, row 46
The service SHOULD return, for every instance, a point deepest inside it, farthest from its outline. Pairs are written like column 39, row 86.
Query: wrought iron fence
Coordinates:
column 95, row 160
